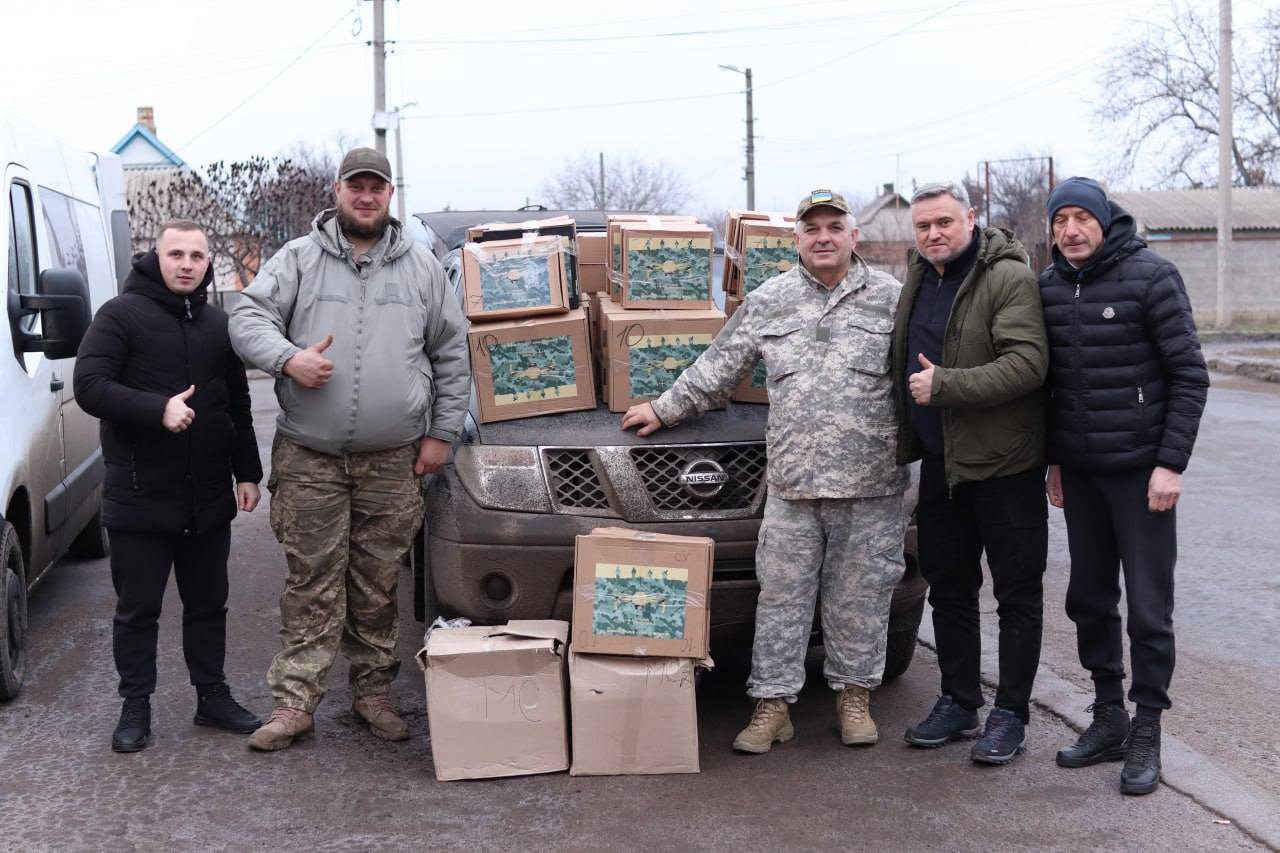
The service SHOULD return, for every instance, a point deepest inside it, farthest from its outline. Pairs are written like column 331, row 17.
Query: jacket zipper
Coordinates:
column 186, row 358
column 1141, row 400
column 133, row 466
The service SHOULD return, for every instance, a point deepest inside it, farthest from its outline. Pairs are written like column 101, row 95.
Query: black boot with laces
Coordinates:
column 216, row 708
column 1104, row 739
column 133, row 732
column 1141, row 773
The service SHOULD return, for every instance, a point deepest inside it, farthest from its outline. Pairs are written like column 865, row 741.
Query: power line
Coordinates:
column 273, row 78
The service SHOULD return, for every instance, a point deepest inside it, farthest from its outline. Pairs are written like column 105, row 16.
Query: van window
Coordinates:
column 22, row 247
column 64, row 231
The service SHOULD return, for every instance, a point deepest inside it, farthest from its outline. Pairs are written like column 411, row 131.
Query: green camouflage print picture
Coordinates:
column 655, row 362
column 672, row 269
column 533, row 370
column 639, row 601
column 515, row 280
column 759, row 375
column 764, row 257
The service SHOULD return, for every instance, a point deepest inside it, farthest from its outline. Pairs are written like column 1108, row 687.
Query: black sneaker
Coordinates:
column 1104, row 739
column 1001, row 740
column 1141, row 773
column 216, row 708
column 133, row 732
column 945, row 723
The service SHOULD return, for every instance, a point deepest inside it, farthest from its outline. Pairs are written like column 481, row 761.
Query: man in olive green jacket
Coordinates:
column 970, row 355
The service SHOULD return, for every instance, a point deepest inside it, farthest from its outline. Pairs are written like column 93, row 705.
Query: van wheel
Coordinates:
column 13, row 613
column 91, row 543
column 424, row 593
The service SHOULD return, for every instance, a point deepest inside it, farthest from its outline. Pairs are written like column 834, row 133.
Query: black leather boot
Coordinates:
column 1141, row 773
column 1104, row 739
column 216, row 708
column 133, row 732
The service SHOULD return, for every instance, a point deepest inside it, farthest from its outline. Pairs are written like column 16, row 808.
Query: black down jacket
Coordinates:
column 143, row 347
column 1127, row 378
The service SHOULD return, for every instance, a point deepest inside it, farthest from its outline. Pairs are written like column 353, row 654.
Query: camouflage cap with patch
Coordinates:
column 359, row 160
column 822, row 198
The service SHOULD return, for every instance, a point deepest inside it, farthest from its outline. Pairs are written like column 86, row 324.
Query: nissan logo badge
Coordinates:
column 703, row 478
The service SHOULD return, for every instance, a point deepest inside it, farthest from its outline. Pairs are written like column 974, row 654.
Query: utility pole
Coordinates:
column 400, row 200
column 379, row 76
column 1222, row 312
column 750, row 174
column 604, row 203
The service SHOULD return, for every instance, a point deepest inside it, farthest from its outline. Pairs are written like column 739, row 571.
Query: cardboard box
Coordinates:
column 535, row 366
column 642, row 594
column 593, row 247
column 731, row 280
column 561, row 226
column 504, row 279
column 633, row 715
column 766, row 249
column 593, row 278
column 614, row 231
column 496, row 699
column 666, row 266
column 644, row 352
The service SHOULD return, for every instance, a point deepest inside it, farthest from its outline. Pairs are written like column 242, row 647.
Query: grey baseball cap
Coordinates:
column 822, row 198
column 368, row 160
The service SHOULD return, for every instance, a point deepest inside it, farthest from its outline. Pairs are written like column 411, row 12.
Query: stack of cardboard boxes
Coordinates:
column 757, row 246
column 529, row 339
column 496, row 696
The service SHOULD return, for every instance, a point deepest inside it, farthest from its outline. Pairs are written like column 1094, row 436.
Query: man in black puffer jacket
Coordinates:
column 1128, row 384
column 157, row 368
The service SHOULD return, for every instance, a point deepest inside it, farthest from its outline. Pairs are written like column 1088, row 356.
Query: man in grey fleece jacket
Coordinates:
column 368, row 347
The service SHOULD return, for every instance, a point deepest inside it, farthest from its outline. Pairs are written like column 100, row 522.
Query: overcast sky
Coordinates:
column 848, row 95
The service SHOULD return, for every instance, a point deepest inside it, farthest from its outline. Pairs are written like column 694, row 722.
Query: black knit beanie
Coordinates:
column 1081, row 192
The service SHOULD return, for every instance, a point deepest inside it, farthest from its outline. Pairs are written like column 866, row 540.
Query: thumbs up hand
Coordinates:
column 308, row 367
column 921, row 384
column 177, row 414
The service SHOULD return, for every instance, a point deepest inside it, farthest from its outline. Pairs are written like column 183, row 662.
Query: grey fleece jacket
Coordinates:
column 401, row 368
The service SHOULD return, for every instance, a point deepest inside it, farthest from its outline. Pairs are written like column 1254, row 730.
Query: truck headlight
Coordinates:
column 503, row 477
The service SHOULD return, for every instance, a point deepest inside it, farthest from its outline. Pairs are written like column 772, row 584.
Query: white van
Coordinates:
column 64, row 231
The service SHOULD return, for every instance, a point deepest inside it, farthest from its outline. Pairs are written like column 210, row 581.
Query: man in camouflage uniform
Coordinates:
column 833, row 519
column 368, row 346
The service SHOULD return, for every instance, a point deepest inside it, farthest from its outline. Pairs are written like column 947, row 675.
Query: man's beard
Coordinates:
column 353, row 227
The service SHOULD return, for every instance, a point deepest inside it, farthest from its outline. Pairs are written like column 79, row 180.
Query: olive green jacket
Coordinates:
column 995, row 356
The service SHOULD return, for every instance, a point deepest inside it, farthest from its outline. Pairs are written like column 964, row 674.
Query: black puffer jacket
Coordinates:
column 1127, row 378
column 143, row 347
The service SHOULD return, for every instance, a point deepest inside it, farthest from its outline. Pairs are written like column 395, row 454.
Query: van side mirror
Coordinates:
column 63, row 303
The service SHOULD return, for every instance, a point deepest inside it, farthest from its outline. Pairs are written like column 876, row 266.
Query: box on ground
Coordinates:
column 504, row 279
column 561, row 226
column 534, row 366
column 666, row 266
column 496, row 699
column 644, row 352
column 640, row 593
column 633, row 715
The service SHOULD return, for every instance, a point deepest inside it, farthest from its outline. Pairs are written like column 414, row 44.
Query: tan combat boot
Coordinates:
column 284, row 726
column 770, row 724
column 377, row 711
column 854, row 712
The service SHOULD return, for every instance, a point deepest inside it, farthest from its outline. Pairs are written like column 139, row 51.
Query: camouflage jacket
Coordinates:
column 832, row 416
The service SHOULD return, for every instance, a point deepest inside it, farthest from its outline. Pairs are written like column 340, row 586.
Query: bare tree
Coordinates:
column 630, row 183
column 248, row 208
column 1161, row 88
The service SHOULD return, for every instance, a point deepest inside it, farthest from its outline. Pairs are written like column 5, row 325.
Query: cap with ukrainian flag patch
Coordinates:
column 822, row 198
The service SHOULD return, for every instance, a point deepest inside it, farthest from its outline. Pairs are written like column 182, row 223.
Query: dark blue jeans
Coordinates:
column 1007, row 518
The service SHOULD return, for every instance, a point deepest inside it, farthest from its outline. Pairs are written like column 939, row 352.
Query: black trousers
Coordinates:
column 140, row 565
column 1007, row 517
column 1110, row 527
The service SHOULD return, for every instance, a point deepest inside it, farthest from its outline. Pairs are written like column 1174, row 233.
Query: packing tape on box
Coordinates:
column 530, row 245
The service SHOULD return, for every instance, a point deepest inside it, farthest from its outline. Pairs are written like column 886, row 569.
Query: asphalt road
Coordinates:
column 61, row 788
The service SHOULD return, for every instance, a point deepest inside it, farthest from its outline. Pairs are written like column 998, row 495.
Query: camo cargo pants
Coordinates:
column 850, row 549
column 346, row 523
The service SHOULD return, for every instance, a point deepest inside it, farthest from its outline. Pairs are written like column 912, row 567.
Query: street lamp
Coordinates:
column 400, row 160
column 750, row 175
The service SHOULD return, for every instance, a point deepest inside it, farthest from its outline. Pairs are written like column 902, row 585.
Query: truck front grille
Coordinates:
column 660, row 469
column 574, row 480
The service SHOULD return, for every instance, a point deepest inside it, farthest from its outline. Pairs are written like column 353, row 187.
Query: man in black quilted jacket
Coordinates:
column 1127, row 384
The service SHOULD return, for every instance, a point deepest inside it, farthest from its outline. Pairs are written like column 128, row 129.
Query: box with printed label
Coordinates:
column 505, row 279
column 640, row 593
column 535, row 366
column 561, row 226
column 633, row 715
column 614, row 227
column 733, row 242
column 644, row 352
column 496, row 702
column 667, row 266
column 766, row 250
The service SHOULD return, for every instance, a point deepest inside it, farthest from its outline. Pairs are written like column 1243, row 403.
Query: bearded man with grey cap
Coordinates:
column 367, row 344
column 833, row 518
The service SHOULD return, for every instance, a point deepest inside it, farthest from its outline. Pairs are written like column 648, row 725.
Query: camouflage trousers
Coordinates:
column 850, row 551
column 346, row 523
